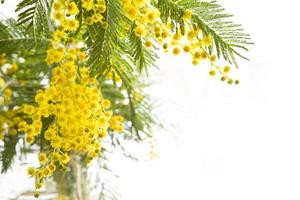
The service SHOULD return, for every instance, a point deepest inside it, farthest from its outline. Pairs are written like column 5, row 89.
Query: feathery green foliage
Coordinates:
column 142, row 56
column 102, row 41
column 35, row 14
column 228, row 37
column 15, row 39
column 8, row 152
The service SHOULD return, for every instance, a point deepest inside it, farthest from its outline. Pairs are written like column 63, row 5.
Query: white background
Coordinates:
column 230, row 142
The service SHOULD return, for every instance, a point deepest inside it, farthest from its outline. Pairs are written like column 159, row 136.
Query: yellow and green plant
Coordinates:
column 72, row 76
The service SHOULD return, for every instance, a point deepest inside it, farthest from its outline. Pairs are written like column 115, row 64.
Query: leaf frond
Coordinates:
column 211, row 18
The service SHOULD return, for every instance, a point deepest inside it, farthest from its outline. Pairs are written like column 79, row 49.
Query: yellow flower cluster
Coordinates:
column 78, row 112
column 65, row 12
column 116, row 123
column 6, row 96
column 144, row 15
column 9, row 116
column 73, row 103
column 95, row 11
column 10, row 69
column 2, row 59
column 192, row 41
column 113, row 76
column 9, row 121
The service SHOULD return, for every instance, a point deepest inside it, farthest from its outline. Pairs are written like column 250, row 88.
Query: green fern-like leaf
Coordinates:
column 35, row 14
column 229, row 38
column 14, row 38
column 106, row 48
column 8, row 152
column 102, row 41
column 142, row 56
